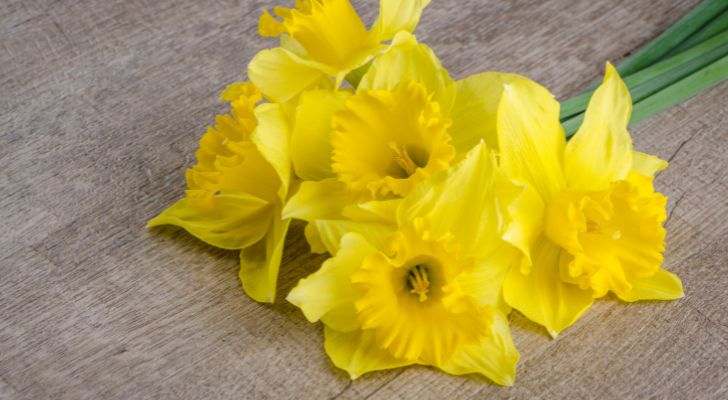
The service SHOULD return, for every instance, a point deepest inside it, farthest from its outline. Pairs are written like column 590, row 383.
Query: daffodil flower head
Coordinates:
column 330, row 31
column 431, row 292
column 235, row 191
column 411, row 299
column 323, row 39
column 386, row 142
column 406, row 121
column 594, row 220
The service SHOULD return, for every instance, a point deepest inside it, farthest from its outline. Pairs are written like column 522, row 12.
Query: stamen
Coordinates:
column 593, row 226
column 402, row 158
column 418, row 281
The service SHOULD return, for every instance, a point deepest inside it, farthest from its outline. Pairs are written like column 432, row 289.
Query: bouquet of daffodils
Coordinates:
column 445, row 204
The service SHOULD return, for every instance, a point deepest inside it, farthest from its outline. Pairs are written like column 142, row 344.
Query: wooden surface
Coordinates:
column 101, row 105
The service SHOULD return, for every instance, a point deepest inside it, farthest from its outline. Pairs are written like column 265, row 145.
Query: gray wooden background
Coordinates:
column 101, row 106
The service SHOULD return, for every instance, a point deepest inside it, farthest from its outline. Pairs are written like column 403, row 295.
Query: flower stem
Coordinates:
column 682, row 90
column 667, row 97
column 660, row 75
column 717, row 25
column 673, row 36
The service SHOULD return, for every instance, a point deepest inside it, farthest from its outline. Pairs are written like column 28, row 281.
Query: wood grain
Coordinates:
column 101, row 105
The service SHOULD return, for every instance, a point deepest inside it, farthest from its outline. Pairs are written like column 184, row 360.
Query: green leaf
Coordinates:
column 715, row 26
column 673, row 36
column 657, row 77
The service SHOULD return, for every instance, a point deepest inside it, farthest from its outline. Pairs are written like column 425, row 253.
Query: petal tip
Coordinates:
column 508, row 381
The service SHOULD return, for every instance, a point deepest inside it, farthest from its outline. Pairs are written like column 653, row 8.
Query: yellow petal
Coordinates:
column 530, row 137
column 664, row 285
column 375, row 220
column 407, row 60
column 318, row 200
column 525, row 211
column 461, row 202
column 400, row 15
column 230, row 221
column 382, row 211
column 332, row 230
column 357, row 352
column 601, row 150
column 328, row 294
column 269, row 26
column 495, row 357
column 281, row 74
column 313, row 237
column 541, row 295
column 272, row 138
column 241, row 90
column 260, row 262
column 647, row 164
column 484, row 282
column 475, row 109
column 310, row 140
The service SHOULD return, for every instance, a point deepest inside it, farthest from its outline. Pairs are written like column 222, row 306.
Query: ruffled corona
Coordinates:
column 227, row 160
column 385, row 142
column 412, row 302
column 611, row 237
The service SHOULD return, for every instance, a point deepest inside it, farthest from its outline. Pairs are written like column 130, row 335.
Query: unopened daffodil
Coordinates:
column 428, row 291
column 236, row 190
column 323, row 40
column 593, row 221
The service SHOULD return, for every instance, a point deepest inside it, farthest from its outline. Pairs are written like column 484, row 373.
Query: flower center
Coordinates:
column 593, row 227
column 385, row 142
column 407, row 158
column 418, row 281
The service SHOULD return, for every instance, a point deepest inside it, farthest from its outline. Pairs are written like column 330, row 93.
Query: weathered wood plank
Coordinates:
column 102, row 103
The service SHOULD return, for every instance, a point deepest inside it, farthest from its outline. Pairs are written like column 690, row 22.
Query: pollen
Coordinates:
column 418, row 281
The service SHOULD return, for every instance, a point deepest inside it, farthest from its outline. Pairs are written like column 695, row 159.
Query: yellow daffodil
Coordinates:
column 322, row 39
column 236, row 190
column 592, row 221
column 428, row 290
column 406, row 121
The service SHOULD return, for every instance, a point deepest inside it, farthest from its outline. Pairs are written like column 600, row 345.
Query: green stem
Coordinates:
column 673, row 36
column 679, row 91
column 660, row 75
column 717, row 25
